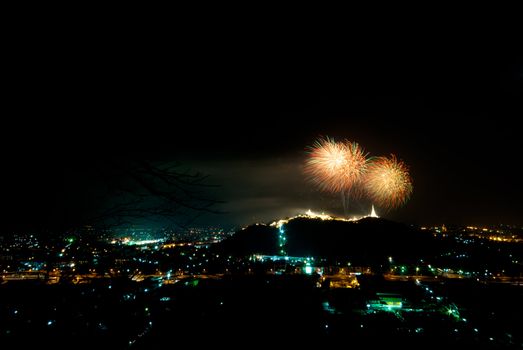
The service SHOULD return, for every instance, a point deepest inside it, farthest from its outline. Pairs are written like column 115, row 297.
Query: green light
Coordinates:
column 281, row 240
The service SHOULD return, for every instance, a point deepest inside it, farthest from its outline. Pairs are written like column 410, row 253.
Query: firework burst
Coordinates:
column 388, row 182
column 336, row 166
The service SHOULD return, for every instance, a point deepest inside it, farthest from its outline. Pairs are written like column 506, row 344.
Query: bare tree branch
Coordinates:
column 126, row 191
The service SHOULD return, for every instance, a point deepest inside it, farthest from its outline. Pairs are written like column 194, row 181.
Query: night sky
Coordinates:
column 245, row 114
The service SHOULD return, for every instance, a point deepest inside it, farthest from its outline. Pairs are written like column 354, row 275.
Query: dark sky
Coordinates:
column 244, row 112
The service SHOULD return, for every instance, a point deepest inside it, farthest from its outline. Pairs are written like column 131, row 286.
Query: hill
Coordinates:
column 365, row 240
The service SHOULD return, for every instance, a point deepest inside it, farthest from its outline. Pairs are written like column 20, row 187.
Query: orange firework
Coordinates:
column 388, row 182
column 336, row 166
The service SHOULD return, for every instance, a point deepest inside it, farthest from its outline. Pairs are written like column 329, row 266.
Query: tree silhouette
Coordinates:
column 121, row 191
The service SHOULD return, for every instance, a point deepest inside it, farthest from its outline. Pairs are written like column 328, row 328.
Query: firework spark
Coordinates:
column 336, row 166
column 388, row 182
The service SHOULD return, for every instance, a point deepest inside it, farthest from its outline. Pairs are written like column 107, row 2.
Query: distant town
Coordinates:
column 137, row 269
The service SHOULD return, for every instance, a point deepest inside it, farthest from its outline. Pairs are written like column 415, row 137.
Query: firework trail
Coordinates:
column 387, row 182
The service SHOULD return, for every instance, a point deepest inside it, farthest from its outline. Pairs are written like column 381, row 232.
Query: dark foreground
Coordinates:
column 264, row 310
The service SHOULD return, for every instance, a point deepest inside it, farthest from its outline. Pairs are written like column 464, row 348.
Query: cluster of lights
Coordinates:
column 325, row 217
column 128, row 241
column 281, row 240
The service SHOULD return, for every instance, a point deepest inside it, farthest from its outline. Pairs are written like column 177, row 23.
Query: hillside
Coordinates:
column 368, row 239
